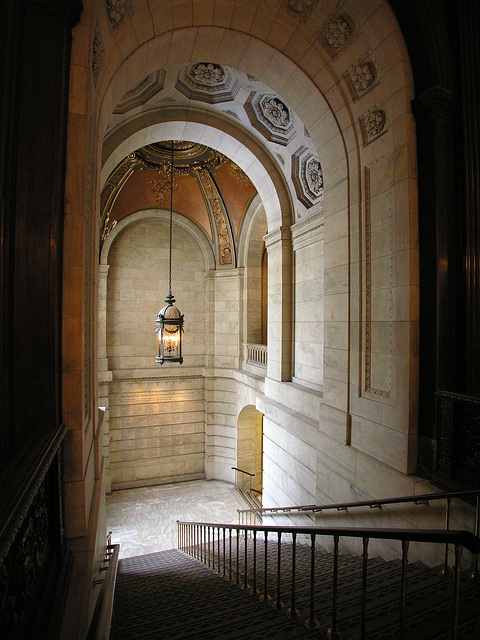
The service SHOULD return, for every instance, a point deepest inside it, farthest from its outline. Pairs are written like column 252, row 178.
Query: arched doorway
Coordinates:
column 250, row 450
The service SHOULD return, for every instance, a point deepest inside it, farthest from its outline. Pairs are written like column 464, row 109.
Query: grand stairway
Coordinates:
column 171, row 595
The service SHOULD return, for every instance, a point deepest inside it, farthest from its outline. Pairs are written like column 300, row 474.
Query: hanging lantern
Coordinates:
column 169, row 327
column 169, row 321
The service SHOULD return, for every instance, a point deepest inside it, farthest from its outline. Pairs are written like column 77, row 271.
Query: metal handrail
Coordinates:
column 245, row 515
column 245, row 473
column 193, row 537
column 342, row 506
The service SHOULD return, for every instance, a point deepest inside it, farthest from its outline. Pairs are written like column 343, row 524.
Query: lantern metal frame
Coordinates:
column 169, row 320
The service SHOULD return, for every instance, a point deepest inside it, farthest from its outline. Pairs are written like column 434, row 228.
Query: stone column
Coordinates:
column 104, row 375
column 279, row 248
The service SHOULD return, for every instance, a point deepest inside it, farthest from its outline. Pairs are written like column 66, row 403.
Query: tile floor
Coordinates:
column 144, row 520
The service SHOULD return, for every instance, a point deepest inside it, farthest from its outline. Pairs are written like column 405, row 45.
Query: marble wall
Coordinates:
column 155, row 415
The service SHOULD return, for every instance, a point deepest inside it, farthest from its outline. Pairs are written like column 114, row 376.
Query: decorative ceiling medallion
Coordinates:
column 307, row 177
column 299, row 6
column 338, row 32
column 188, row 157
column 271, row 117
column 207, row 82
column 139, row 95
column 117, row 10
column 361, row 78
column 372, row 125
column 98, row 52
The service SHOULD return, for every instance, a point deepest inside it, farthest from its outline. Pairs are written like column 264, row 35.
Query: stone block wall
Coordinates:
column 155, row 413
column 156, row 430
column 308, row 289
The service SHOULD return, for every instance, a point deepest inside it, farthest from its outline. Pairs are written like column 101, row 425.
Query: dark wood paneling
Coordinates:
column 34, row 64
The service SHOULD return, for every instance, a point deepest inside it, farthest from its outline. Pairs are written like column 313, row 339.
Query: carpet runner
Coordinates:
column 171, row 595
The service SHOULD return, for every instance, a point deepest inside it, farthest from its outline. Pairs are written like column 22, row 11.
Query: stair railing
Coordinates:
column 245, row 476
column 244, row 515
column 212, row 545
column 248, row 495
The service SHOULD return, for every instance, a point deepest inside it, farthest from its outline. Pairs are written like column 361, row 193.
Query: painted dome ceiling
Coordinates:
column 208, row 188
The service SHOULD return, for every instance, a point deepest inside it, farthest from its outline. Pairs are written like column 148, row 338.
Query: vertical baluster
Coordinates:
column 278, row 604
column 456, row 590
column 224, row 552
column 265, row 597
column 404, row 588
column 219, row 564
column 245, row 567
column 230, row 554
column 333, row 634
column 238, row 560
column 213, row 548
column 477, row 533
column 208, row 543
column 254, row 586
column 364, row 589
column 311, row 622
column 293, row 612
column 447, row 527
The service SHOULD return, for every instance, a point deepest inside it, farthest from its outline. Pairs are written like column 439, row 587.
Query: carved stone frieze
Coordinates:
column 271, row 117
column 373, row 125
column 207, row 82
column 307, row 177
column 219, row 214
column 139, row 95
column 112, row 187
column 98, row 52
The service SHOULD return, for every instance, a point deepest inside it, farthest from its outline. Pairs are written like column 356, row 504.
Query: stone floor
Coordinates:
column 144, row 520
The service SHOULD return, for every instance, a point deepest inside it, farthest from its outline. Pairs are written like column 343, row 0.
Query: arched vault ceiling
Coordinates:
column 254, row 108
column 286, row 89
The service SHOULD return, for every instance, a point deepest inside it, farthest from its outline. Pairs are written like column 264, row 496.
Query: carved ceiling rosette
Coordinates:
column 372, row 125
column 307, row 177
column 361, row 77
column 207, row 82
column 271, row 117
